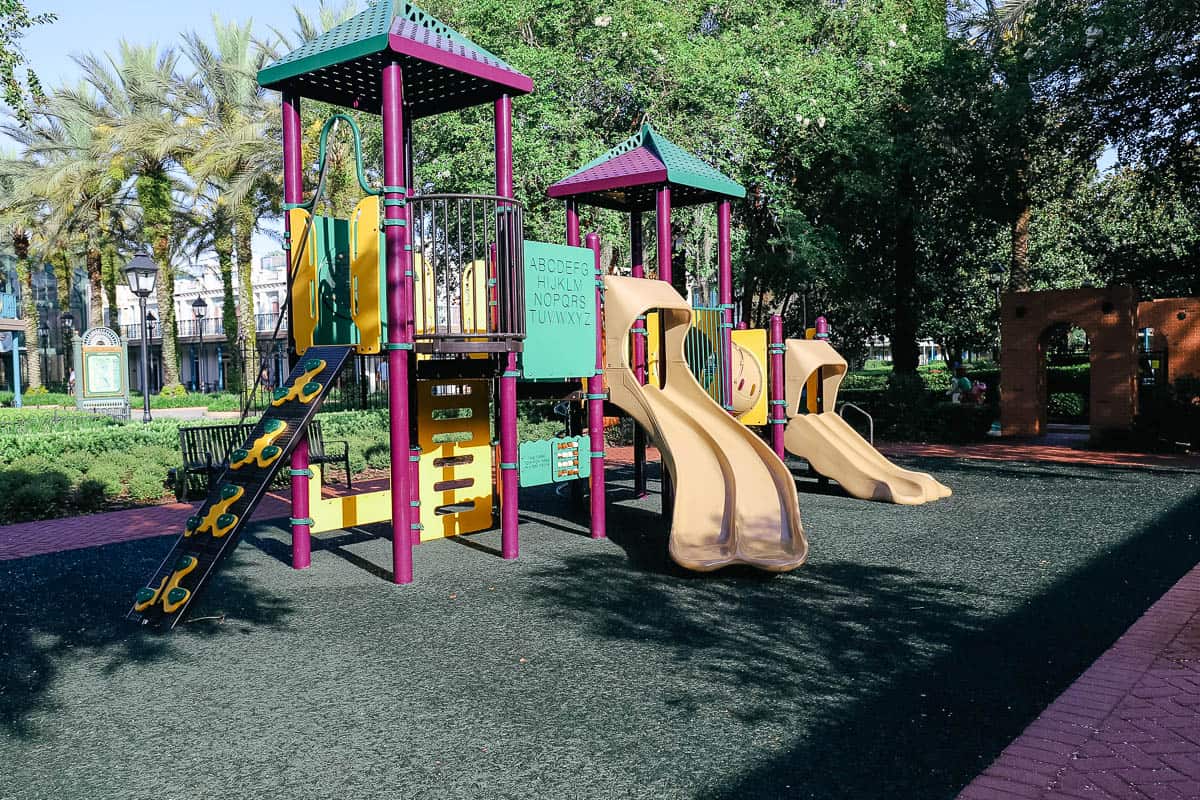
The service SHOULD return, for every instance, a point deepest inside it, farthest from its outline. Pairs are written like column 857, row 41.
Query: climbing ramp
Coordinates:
column 213, row 532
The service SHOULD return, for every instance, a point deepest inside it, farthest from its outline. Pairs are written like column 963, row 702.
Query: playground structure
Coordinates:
column 471, row 315
column 1112, row 319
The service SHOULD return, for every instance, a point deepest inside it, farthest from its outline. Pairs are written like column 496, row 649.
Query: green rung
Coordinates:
column 301, row 521
column 301, row 473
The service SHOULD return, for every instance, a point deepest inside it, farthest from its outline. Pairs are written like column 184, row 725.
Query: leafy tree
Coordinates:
column 20, row 91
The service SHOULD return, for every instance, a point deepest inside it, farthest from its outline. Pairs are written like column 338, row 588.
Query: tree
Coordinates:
column 135, row 109
column 20, row 91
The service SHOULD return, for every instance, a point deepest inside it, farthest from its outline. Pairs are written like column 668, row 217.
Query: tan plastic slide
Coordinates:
column 735, row 501
column 831, row 446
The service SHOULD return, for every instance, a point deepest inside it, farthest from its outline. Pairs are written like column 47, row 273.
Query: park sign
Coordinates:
column 560, row 312
column 102, row 373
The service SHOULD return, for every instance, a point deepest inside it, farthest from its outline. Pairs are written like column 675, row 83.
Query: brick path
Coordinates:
column 1127, row 729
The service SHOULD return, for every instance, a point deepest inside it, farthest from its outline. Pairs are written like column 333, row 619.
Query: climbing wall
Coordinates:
column 213, row 531
column 454, row 435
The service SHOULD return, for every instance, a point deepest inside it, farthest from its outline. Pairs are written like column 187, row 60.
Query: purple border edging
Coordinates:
column 1041, row 762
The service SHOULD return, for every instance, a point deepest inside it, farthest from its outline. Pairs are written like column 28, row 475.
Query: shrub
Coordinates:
column 1067, row 405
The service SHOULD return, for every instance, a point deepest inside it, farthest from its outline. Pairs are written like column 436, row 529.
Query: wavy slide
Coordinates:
column 831, row 446
column 735, row 501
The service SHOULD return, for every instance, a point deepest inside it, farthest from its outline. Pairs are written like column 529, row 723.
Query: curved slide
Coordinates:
column 735, row 501
column 831, row 446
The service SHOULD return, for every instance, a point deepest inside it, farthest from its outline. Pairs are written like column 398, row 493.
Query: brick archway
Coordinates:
column 1108, row 318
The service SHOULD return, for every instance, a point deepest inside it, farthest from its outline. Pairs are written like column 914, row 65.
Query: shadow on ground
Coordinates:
column 62, row 608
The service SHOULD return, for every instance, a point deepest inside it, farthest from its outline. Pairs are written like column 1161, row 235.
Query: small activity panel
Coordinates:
column 749, row 376
column 555, row 460
column 560, row 311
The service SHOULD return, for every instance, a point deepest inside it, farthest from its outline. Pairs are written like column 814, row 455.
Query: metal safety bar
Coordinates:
column 870, row 419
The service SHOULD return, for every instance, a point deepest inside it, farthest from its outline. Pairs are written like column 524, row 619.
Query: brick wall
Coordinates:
column 1179, row 337
column 1107, row 316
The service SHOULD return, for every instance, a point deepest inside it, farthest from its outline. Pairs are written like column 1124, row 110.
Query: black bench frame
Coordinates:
column 206, row 450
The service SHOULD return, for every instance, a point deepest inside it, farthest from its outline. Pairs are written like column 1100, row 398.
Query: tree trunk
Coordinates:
column 154, row 194
column 33, row 365
column 243, row 231
column 223, row 247
column 905, row 353
column 1018, row 271
column 110, row 275
column 95, row 273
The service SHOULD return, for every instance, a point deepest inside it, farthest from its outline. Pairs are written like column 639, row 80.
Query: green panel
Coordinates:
column 560, row 311
column 556, row 460
column 332, row 245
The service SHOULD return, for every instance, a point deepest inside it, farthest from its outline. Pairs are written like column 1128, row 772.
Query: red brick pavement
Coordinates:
column 72, row 533
column 1127, row 729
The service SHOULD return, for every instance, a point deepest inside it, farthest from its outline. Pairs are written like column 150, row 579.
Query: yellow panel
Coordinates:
column 474, row 301
column 425, row 313
column 365, row 280
column 306, row 310
column 338, row 513
column 749, row 386
column 652, row 343
column 465, row 465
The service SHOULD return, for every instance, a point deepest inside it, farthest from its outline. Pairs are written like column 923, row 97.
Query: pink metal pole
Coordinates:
column 662, row 207
column 595, row 392
column 293, row 192
column 509, row 460
column 399, row 311
column 778, row 414
column 638, row 270
column 572, row 223
column 725, row 294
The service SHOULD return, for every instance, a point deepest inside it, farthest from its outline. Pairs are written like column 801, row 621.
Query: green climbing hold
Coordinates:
column 228, row 490
column 270, row 451
column 144, row 594
column 312, row 387
column 238, row 455
column 272, row 425
column 280, row 393
column 311, row 364
column 193, row 523
column 176, row 595
column 184, row 562
column 225, row 520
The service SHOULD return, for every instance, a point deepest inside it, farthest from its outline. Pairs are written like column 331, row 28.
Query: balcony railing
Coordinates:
column 468, row 273
column 265, row 323
column 8, row 305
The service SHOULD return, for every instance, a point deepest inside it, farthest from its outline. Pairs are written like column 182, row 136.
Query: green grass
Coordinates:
column 219, row 401
column 914, row 645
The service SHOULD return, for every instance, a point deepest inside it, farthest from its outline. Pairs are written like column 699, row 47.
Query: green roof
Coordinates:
column 683, row 168
column 443, row 69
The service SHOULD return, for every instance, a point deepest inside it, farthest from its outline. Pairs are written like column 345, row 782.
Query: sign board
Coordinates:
column 555, row 460
column 102, row 372
column 560, row 311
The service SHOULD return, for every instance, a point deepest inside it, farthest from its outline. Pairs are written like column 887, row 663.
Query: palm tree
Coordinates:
column 17, row 221
column 66, row 167
column 997, row 28
column 136, row 114
column 236, row 153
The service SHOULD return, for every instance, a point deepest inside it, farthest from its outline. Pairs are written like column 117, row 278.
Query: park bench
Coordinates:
column 206, row 450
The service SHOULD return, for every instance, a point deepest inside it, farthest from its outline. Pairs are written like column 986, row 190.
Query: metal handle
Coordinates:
column 870, row 419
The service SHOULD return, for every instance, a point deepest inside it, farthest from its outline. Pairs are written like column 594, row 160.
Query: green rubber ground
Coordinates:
column 896, row 664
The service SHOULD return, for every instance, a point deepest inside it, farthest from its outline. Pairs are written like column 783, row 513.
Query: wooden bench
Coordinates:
column 206, row 450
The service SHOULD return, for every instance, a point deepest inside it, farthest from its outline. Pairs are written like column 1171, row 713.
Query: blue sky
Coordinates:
column 81, row 27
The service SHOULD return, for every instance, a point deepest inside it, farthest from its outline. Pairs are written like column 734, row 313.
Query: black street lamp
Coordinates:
column 43, row 343
column 150, row 320
column 200, row 310
column 141, row 273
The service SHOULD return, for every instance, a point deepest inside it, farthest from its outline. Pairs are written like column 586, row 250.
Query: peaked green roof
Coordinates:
column 683, row 168
column 443, row 70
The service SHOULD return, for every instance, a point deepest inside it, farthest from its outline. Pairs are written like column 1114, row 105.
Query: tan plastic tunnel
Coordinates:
column 735, row 501
column 831, row 446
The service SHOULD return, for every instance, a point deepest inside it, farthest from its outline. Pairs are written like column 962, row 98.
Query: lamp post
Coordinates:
column 43, row 344
column 150, row 320
column 141, row 272
column 996, row 279
column 200, row 310
column 67, row 321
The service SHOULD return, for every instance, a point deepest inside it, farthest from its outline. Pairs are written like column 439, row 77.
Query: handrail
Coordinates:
column 358, row 159
column 870, row 419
